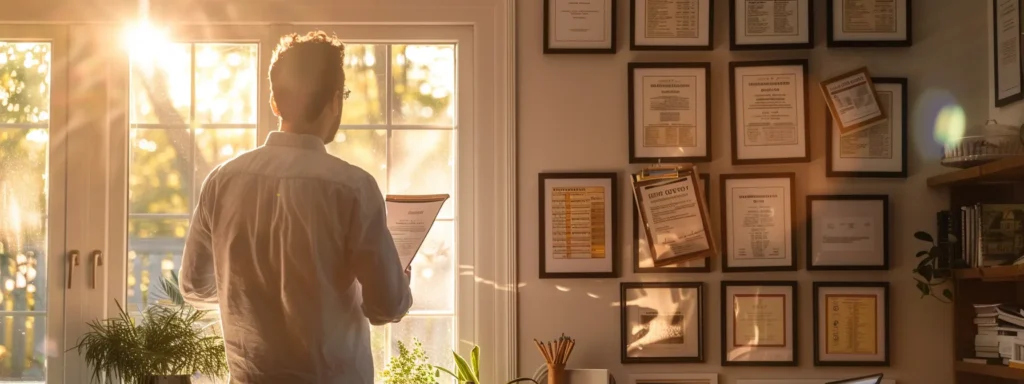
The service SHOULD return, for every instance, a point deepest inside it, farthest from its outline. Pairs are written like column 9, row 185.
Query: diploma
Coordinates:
column 848, row 234
column 759, row 320
column 758, row 223
column 851, row 324
column 672, row 19
column 770, row 110
column 852, row 101
column 670, row 111
column 873, row 142
column 869, row 16
column 772, row 18
column 578, row 222
column 1008, row 32
column 580, row 21
column 409, row 219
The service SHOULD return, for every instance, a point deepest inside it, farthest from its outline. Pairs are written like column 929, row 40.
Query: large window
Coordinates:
column 195, row 105
column 24, row 143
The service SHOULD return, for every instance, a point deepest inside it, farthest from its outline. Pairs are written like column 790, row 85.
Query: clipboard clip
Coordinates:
column 659, row 171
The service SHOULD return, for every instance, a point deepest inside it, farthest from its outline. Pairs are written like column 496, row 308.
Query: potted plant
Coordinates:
column 409, row 366
column 468, row 372
column 935, row 268
column 165, row 346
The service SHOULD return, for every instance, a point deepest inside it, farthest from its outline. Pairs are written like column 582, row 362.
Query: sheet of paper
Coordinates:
column 852, row 324
column 410, row 218
column 673, row 216
column 759, row 320
column 848, row 234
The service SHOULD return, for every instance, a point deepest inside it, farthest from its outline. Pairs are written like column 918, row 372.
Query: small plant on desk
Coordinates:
column 935, row 268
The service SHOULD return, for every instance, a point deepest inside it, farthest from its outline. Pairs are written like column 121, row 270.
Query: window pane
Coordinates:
column 366, row 77
column 364, row 148
column 434, row 332
column 159, row 177
column 24, row 83
column 424, row 84
column 433, row 271
column 215, row 146
column 226, row 83
column 24, row 151
column 161, row 86
column 422, row 162
column 379, row 348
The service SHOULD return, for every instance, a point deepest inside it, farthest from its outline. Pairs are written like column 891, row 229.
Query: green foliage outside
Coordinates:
column 409, row 366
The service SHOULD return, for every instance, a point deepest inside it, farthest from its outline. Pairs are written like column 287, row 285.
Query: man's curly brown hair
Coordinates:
column 306, row 72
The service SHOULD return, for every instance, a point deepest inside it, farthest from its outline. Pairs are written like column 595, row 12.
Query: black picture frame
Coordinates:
column 612, row 251
column 633, row 46
column 816, row 288
column 724, row 200
column 904, row 121
column 884, row 199
column 624, row 322
column 733, row 110
column 832, row 41
column 1002, row 102
column 794, row 311
column 634, row 158
column 706, row 180
column 547, row 34
column 733, row 25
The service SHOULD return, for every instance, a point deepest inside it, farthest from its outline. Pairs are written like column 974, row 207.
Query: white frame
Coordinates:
column 60, row 210
column 662, row 378
column 92, row 24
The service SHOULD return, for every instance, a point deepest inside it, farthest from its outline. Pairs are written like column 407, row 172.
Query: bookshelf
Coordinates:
column 1003, row 182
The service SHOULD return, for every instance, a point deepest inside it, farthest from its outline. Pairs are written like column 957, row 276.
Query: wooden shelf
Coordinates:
column 990, row 370
column 1001, row 273
column 1005, row 170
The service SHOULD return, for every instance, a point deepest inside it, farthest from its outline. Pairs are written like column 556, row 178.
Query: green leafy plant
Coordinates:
column 167, row 342
column 468, row 372
column 935, row 268
column 409, row 366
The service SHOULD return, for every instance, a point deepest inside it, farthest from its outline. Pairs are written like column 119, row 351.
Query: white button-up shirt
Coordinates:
column 291, row 245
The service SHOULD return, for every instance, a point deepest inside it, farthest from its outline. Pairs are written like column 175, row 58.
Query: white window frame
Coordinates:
column 94, row 24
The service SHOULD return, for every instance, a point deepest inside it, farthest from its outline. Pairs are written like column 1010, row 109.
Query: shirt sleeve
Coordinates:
column 386, row 294
column 197, row 278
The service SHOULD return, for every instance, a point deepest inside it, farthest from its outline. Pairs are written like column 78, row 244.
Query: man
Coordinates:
column 291, row 243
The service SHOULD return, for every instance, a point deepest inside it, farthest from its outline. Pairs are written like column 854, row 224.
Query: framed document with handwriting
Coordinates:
column 642, row 260
column 578, row 225
column 669, row 112
column 579, row 26
column 757, row 222
column 847, row 232
column 776, row 24
column 878, row 151
column 662, row 322
column 851, row 323
column 671, row 25
column 759, row 321
column 869, row 23
column 769, row 112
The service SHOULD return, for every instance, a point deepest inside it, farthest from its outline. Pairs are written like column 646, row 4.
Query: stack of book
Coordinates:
column 989, row 234
column 1000, row 337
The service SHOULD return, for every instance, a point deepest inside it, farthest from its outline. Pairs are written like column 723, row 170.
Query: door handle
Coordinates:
column 97, row 262
column 72, row 263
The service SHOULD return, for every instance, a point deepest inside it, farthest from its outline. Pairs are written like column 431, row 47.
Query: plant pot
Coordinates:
column 176, row 379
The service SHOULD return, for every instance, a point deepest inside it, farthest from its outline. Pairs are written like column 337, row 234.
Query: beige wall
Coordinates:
column 572, row 117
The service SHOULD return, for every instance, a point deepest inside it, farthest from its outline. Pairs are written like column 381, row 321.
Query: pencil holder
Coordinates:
column 556, row 374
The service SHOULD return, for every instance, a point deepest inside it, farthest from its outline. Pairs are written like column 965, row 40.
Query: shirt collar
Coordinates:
column 295, row 140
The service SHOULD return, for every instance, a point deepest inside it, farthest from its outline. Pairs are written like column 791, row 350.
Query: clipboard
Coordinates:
column 675, row 248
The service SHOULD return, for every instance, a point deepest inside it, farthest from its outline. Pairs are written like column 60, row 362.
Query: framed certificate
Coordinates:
column 671, row 25
column 673, row 216
column 879, row 150
column 777, row 24
column 579, row 225
column 642, row 260
column 769, row 112
column 669, row 109
column 1006, row 40
column 757, row 222
column 852, row 101
column 662, row 322
column 869, row 23
column 847, row 232
column 673, row 378
column 851, row 324
column 579, row 26
column 759, row 323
